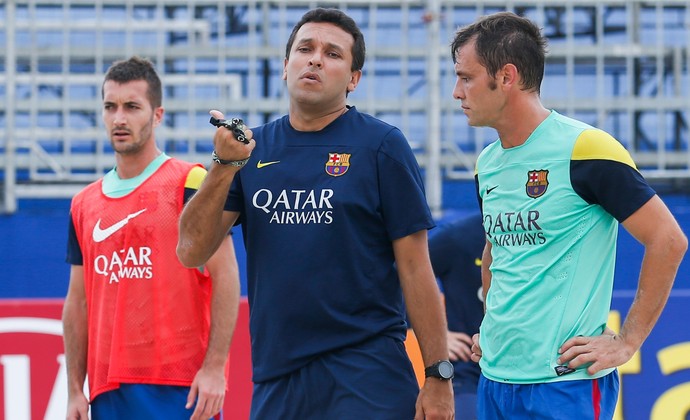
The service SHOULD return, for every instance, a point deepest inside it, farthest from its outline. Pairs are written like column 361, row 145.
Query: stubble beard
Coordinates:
column 139, row 141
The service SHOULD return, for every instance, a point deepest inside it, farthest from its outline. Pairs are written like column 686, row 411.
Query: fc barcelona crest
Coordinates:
column 537, row 183
column 338, row 163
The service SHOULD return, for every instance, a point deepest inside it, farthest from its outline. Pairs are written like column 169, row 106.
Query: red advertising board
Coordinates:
column 32, row 362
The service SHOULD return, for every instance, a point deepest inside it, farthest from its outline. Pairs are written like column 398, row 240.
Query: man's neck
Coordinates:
column 517, row 128
column 131, row 165
column 304, row 121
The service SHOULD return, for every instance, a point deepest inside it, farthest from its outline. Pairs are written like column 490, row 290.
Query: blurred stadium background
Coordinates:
column 622, row 65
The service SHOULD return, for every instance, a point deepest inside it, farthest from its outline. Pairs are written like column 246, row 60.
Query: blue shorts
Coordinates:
column 371, row 380
column 584, row 399
column 143, row 401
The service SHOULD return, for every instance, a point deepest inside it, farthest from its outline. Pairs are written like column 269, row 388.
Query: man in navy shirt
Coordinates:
column 330, row 201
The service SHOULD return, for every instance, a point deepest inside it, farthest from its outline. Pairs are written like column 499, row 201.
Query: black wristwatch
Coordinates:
column 443, row 369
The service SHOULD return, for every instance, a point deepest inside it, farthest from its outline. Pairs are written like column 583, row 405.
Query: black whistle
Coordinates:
column 235, row 125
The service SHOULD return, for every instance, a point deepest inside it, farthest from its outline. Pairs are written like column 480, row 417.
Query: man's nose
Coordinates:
column 119, row 117
column 316, row 60
column 458, row 91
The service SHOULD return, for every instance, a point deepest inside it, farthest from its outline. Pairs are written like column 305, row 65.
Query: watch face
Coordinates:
column 446, row 369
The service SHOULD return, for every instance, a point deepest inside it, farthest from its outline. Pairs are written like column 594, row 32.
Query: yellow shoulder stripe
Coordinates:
column 195, row 177
column 598, row 144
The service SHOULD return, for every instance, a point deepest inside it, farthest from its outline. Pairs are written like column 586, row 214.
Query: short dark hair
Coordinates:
column 503, row 38
column 137, row 68
column 339, row 19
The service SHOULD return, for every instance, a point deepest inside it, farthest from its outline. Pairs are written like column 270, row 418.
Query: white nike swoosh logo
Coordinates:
column 260, row 164
column 100, row 235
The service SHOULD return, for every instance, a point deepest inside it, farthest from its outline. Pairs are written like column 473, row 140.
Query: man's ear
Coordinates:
column 158, row 116
column 508, row 76
column 354, row 80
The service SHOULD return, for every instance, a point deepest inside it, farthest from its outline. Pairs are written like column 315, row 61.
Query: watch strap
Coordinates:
column 237, row 163
column 435, row 371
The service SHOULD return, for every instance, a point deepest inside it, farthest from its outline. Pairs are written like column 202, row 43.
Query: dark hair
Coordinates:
column 339, row 19
column 137, row 68
column 503, row 38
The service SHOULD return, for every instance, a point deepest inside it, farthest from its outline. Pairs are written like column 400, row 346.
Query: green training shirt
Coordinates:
column 551, row 208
